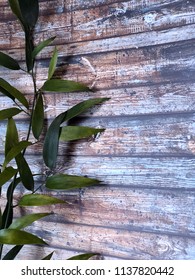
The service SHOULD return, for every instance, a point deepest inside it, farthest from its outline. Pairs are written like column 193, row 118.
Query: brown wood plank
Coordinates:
column 171, row 135
column 164, row 211
column 123, row 69
column 112, row 19
column 129, row 101
column 117, row 19
column 117, row 243
column 141, row 55
column 152, row 172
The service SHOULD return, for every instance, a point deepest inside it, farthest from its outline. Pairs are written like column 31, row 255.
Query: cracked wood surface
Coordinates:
column 141, row 55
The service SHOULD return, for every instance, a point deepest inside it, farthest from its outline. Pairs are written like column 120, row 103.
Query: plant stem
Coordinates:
column 13, row 185
column 33, row 105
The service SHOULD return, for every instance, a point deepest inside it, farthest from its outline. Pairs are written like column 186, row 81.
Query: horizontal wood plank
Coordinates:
column 165, row 211
column 154, row 172
column 129, row 101
column 141, row 55
column 122, row 244
column 171, row 135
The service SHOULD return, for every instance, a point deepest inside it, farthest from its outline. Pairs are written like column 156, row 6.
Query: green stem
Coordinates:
column 9, row 207
column 33, row 105
column 10, row 200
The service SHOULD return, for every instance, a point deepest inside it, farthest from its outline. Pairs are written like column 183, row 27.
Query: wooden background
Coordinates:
column 141, row 54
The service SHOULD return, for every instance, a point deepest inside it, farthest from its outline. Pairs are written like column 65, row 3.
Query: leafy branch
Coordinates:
column 12, row 230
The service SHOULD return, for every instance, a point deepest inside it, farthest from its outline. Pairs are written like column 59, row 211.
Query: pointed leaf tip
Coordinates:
column 27, row 220
column 38, row 117
column 66, row 86
column 50, row 148
column 38, row 200
column 67, row 182
column 8, row 62
column 41, row 46
column 83, row 256
column 71, row 133
column 19, row 237
column 53, row 63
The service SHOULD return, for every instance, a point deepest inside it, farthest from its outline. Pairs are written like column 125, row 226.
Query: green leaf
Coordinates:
column 70, row 133
column 38, row 200
column 41, row 46
column 18, row 237
column 15, row 150
column 30, row 11
column 11, row 254
column 28, row 50
column 50, row 148
column 0, row 218
column 65, row 182
column 15, row 7
column 83, row 257
column 27, row 220
column 25, row 172
column 7, row 217
column 11, row 136
column 8, row 62
column 63, row 86
column 12, row 92
column 8, row 113
column 48, row 257
column 38, row 117
column 6, row 175
column 53, row 63
column 82, row 107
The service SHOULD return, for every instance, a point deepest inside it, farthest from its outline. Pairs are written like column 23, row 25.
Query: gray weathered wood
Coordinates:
column 141, row 55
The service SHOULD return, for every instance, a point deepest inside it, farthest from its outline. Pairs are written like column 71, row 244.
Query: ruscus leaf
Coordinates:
column 15, row 150
column 8, row 62
column 29, row 10
column 18, row 237
column 11, row 254
column 82, row 107
column 71, row 133
column 27, row 220
column 11, row 135
column 48, row 257
column 0, row 218
column 41, row 46
column 12, row 92
column 67, row 182
column 6, row 175
column 28, row 50
column 83, row 256
column 7, row 217
column 63, row 86
column 9, row 113
column 15, row 7
column 50, row 148
column 38, row 200
column 53, row 63
column 38, row 117
column 25, row 172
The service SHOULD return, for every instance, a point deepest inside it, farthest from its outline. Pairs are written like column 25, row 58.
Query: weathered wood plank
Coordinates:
column 118, row 243
column 112, row 19
column 128, row 101
column 141, row 54
column 171, row 135
column 164, row 211
column 153, row 172
column 123, row 69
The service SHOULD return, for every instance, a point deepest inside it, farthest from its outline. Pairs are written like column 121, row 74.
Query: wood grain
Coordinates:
column 140, row 54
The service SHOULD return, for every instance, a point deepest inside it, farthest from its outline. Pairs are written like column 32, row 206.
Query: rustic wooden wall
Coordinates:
column 141, row 54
